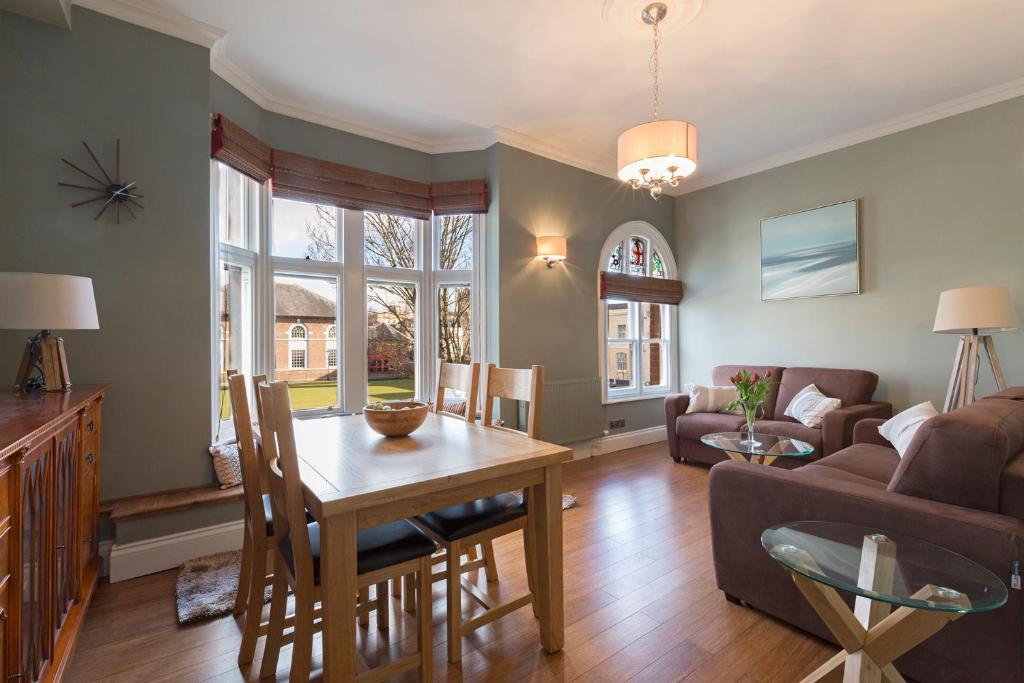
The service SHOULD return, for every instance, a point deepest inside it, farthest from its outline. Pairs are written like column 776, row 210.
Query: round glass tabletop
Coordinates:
column 890, row 568
column 764, row 444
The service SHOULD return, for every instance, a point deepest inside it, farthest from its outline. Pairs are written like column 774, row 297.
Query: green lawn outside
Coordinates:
column 320, row 394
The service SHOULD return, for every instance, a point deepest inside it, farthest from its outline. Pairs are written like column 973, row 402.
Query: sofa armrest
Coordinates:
column 866, row 431
column 675, row 405
column 837, row 425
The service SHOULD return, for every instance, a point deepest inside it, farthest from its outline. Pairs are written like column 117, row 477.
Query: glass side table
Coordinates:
column 768, row 449
column 929, row 586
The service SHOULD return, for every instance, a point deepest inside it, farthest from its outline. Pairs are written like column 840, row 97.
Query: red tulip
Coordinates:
column 755, row 378
column 767, row 374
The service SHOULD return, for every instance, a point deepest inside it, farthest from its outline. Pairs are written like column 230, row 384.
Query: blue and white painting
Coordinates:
column 810, row 253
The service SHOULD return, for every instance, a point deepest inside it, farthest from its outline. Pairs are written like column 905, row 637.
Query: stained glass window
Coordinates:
column 615, row 259
column 657, row 265
column 637, row 256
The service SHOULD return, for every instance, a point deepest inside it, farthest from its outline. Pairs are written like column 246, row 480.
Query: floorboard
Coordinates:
column 641, row 604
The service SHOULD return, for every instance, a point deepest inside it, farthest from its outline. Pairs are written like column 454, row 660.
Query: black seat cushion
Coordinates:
column 268, row 514
column 377, row 547
column 466, row 519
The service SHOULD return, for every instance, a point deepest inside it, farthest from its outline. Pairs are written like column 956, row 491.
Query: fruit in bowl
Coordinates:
column 395, row 418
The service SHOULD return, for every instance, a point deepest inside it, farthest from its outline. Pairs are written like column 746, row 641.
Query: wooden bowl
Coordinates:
column 403, row 419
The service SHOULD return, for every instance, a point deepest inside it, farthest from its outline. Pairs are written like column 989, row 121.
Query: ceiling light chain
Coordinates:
column 653, row 66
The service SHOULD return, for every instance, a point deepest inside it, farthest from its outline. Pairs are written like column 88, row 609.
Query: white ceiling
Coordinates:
column 764, row 81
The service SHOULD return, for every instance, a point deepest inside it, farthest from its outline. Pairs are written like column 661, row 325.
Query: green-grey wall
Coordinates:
column 106, row 80
column 942, row 206
column 549, row 315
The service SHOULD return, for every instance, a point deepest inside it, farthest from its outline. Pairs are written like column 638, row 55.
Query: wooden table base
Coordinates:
column 873, row 636
column 756, row 459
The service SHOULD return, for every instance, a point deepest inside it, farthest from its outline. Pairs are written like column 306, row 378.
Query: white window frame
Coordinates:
column 352, row 276
column 670, row 335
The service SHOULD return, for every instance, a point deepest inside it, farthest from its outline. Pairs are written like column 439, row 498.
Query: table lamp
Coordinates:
column 40, row 301
column 973, row 312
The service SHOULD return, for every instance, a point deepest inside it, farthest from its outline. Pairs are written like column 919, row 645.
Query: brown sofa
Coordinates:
column 959, row 485
column 854, row 388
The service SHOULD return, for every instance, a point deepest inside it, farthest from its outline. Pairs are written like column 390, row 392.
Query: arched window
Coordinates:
column 332, row 347
column 298, row 346
column 638, row 351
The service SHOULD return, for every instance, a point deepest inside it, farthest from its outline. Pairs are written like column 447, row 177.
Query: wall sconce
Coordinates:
column 551, row 249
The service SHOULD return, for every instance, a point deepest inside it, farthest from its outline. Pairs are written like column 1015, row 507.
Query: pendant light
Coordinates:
column 662, row 151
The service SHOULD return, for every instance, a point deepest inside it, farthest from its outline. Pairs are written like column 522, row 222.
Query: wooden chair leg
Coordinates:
column 454, row 602
column 410, row 590
column 245, row 571
column 275, row 629
column 471, row 553
column 424, row 631
column 490, row 566
column 382, row 605
column 254, row 603
column 302, row 639
column 396, row 588
column 364, row 596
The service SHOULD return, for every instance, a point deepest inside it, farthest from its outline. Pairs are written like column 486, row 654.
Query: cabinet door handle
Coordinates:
column 91, row 426
column 90, row 458
column 3, row 615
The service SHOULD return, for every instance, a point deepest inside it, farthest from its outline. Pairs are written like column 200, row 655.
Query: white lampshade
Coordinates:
column 551, row 248
column 656, row 146
column 961, row 311
column 41, row 301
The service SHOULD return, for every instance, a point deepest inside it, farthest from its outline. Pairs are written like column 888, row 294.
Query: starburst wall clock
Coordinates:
column 111, row 191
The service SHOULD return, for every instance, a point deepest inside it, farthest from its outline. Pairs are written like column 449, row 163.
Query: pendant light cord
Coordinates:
column 653, row 66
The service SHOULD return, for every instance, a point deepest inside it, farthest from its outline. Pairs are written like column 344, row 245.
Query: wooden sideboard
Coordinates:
column 49, row 507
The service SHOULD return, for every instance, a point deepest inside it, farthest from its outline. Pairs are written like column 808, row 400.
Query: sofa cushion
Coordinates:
column 877, row 463
column 792, row 430
column 721, row 374
column 695, row 425
column 959, row 457
column 852, row 387
column 1012, row 394
column 810, row 473
column 1011, row 489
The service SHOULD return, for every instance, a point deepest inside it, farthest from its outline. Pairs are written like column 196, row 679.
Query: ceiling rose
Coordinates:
column 659, row 152
column 626, row 16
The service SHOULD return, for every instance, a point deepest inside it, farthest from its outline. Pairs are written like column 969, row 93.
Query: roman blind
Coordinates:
column 460, row 196
column 236, row 147
column 654, row 290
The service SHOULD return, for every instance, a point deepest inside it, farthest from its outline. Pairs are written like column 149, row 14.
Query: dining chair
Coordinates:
column 481, row 521
column 382, row 553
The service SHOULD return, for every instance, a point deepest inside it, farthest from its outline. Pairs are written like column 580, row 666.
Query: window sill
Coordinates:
column 646, row 396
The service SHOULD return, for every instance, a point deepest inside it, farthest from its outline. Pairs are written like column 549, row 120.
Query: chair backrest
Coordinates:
column 249, row 459
column 464, row 378
column 517, row 385
column 286, row 500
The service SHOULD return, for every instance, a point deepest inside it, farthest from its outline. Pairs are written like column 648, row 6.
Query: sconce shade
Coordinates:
column 961, row 311
column 551, row 248
column 657, row 146
column 41, row 301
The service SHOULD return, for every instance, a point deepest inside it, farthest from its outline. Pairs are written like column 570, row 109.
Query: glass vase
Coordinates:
column 750, row 412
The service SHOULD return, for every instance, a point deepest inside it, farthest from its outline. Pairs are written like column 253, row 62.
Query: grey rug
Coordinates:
column 207, row 585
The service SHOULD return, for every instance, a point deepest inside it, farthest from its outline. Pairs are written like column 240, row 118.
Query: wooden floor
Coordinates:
column 640, row 603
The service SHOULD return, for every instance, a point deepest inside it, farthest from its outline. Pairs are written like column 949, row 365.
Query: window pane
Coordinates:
column 615, row 259
column 390, row 240
column 654, row 365
column 619, row 324
column 305, row 312
column 657, row 264
column 620, row 365
column 236, row 331
column 637, row 256
column 654, row 318
column 391, row 341
column 237, row 206
column 303, row 230
column 453, row 324
column 455, row 243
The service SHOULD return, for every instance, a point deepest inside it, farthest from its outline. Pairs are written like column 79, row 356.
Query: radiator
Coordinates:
column 572, row 410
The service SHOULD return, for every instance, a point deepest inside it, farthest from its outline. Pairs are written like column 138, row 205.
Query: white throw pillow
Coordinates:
column 900, row 429
column 810, row 405
column 709, row 399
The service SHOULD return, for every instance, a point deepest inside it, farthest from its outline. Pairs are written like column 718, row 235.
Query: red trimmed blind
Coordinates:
column 654, row 290
column 236, row 147
column 324, row 182
column 460, row 196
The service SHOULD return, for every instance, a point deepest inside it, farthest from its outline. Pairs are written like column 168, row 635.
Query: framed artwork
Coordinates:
column 811, row 253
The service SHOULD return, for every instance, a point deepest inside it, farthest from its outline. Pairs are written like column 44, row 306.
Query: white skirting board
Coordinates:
column 153, row 555
column 618, row 442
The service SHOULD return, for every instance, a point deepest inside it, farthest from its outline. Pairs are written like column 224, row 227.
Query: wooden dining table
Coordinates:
column 354, row 478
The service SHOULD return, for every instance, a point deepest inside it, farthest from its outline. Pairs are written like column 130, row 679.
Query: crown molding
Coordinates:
column 513, row 138
column 157, row 18
column 960, row 105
